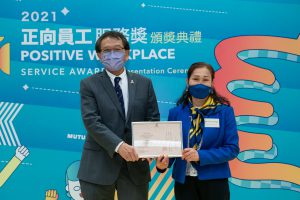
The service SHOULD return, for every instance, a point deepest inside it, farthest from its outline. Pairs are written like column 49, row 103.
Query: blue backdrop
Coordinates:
column 47, row 47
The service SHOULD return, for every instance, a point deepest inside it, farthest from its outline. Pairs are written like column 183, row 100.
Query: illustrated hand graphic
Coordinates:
column 22, row 152
column 51, row 195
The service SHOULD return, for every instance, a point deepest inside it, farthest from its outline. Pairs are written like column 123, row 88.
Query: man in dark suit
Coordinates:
column 110, row 101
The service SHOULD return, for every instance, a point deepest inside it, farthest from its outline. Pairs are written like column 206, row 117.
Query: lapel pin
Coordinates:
column 131, row 81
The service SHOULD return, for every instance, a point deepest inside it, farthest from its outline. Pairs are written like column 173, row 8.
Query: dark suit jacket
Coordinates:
column 107, row 126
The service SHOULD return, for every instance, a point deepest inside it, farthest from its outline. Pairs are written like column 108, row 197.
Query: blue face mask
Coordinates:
column 113, row 61
column 200, row 91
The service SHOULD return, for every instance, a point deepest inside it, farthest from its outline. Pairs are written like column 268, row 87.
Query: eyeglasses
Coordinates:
column 117, row 50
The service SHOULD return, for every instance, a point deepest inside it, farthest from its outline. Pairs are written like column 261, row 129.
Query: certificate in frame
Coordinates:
column 154, row 138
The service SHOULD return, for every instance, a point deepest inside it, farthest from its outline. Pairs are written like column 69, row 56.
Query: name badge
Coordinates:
column 211, row 122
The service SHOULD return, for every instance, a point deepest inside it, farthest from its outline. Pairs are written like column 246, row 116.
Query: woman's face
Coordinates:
column 200, row 76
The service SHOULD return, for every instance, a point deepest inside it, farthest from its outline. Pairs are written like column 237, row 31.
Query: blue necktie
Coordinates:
column 119, row 93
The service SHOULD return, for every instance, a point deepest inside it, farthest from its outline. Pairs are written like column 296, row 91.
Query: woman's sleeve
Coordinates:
column 230, row 148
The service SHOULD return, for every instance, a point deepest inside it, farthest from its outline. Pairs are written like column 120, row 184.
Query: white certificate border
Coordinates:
column 159, row 122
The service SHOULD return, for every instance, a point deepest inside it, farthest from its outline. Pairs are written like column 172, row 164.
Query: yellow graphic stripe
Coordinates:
column 157, row 182
column 171, row 195
column 165, row 187
column 153, row 170
column 9, row 169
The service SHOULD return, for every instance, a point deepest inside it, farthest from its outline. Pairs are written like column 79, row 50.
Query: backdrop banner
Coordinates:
column 47, row 47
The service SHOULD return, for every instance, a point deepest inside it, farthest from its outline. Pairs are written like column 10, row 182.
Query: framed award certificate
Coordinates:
column 154, row 138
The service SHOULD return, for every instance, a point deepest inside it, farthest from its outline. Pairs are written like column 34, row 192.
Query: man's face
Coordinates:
column 108, row 44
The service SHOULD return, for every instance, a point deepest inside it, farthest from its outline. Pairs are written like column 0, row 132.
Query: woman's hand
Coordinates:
column 190, row 154
column 162, row 162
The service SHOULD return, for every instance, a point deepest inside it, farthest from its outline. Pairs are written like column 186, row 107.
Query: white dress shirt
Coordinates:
column 190, row 170
column 124, row 87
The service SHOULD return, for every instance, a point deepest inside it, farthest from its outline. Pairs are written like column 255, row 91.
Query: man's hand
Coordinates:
column 162, row 162
column 51, row 195
column 21, row 153
column 190, row 154
column 128, row 152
